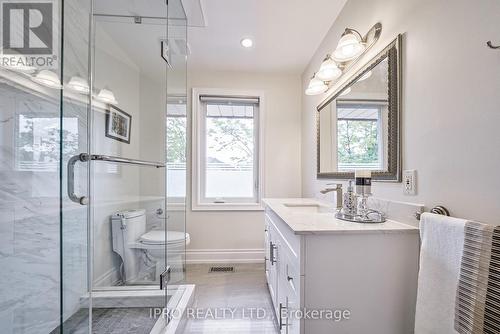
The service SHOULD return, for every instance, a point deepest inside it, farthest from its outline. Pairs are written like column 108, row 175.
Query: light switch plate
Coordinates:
column 410, row 182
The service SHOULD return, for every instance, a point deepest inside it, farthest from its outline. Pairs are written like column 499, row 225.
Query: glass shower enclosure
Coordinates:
column 93, row 167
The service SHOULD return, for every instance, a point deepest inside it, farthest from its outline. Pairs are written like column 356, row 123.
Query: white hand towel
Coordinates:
column 442, row 242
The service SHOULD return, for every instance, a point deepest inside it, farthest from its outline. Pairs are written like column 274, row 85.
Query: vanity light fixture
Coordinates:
column 106, row 96
column 328, row 70
column 350, row 46
column 79, row 85
column 48, row 79
column 246, row 42
column 316, row 86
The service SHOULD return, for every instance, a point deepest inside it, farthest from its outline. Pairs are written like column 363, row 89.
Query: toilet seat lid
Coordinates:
column 157, row 237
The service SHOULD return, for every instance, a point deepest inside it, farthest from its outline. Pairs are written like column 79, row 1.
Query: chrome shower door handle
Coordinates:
column 82, row 157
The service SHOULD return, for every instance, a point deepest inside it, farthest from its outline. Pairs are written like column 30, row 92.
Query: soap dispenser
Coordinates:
column 349, row 201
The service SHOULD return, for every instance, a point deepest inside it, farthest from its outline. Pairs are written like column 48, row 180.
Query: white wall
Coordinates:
column 240, row 235
column 451, row 100
column 152, row 135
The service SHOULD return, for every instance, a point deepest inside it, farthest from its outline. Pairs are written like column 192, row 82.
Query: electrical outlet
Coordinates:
column 410, row 182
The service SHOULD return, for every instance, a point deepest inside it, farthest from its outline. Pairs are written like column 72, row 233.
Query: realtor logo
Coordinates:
column 28, row 33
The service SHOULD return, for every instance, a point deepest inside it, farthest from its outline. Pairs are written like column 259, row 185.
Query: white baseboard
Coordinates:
column 225, row 255
column 253, row 255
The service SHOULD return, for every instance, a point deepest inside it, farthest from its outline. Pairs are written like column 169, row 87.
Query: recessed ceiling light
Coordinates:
column 246, row 42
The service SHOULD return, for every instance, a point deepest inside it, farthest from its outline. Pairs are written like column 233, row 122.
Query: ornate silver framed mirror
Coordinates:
column 358, row 125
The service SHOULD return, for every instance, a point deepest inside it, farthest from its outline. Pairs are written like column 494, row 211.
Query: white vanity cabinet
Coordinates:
column 366, row 275
column 283, row 274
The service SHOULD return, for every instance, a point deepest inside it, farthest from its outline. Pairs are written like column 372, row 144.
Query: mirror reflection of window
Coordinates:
column 37, row 142
column 360, row 140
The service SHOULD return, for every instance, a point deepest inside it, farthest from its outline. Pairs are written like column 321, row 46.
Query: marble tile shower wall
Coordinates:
column 30, row 251
column 30, row 224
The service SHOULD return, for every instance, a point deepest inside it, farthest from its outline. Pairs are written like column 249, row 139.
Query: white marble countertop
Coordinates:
column 311, row 216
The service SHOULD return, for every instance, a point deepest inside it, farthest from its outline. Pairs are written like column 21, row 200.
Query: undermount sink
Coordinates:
column 309, row 208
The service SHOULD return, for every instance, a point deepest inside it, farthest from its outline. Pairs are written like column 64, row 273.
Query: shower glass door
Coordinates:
column 94, row 136
column 43, row 236
column 128, row 178
column 176, row 140
column 74, row 135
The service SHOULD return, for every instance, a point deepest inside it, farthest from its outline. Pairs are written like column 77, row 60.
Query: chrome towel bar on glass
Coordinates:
column 84, row 157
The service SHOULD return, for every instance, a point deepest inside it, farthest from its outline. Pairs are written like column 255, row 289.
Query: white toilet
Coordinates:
column 143, row 252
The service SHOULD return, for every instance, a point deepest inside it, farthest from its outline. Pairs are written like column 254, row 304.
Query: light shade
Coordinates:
column 48, row 79
column 106, row 96
column 346, row 91
column 365, row 76
column 316, row 86
column 328, row 70
column 350, row 46
column 78, row 85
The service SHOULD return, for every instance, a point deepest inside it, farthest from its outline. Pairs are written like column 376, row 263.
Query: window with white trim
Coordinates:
column 227, row 152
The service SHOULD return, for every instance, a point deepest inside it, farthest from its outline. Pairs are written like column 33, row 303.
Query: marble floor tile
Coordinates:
column 243, row 292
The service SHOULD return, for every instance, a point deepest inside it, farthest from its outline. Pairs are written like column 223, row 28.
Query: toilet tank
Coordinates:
column 129, row 224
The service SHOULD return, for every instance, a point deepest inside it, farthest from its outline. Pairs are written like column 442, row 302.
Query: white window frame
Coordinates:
column 197, row 179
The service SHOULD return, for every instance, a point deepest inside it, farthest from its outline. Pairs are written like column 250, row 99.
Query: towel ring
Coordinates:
column 438, row 210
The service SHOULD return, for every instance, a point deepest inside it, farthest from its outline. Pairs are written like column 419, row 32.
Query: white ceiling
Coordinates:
column 133, row 7
column 286, row 34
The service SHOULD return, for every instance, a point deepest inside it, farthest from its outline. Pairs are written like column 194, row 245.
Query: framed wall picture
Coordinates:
column 118, row 124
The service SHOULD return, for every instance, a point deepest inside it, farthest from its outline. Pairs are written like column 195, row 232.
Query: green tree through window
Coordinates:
column 358, row 141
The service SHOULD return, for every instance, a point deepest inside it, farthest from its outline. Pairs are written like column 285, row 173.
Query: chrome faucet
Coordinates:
column 338, row 190
column 353, row 212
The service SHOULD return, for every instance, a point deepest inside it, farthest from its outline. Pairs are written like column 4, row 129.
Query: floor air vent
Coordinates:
column 224, row 269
